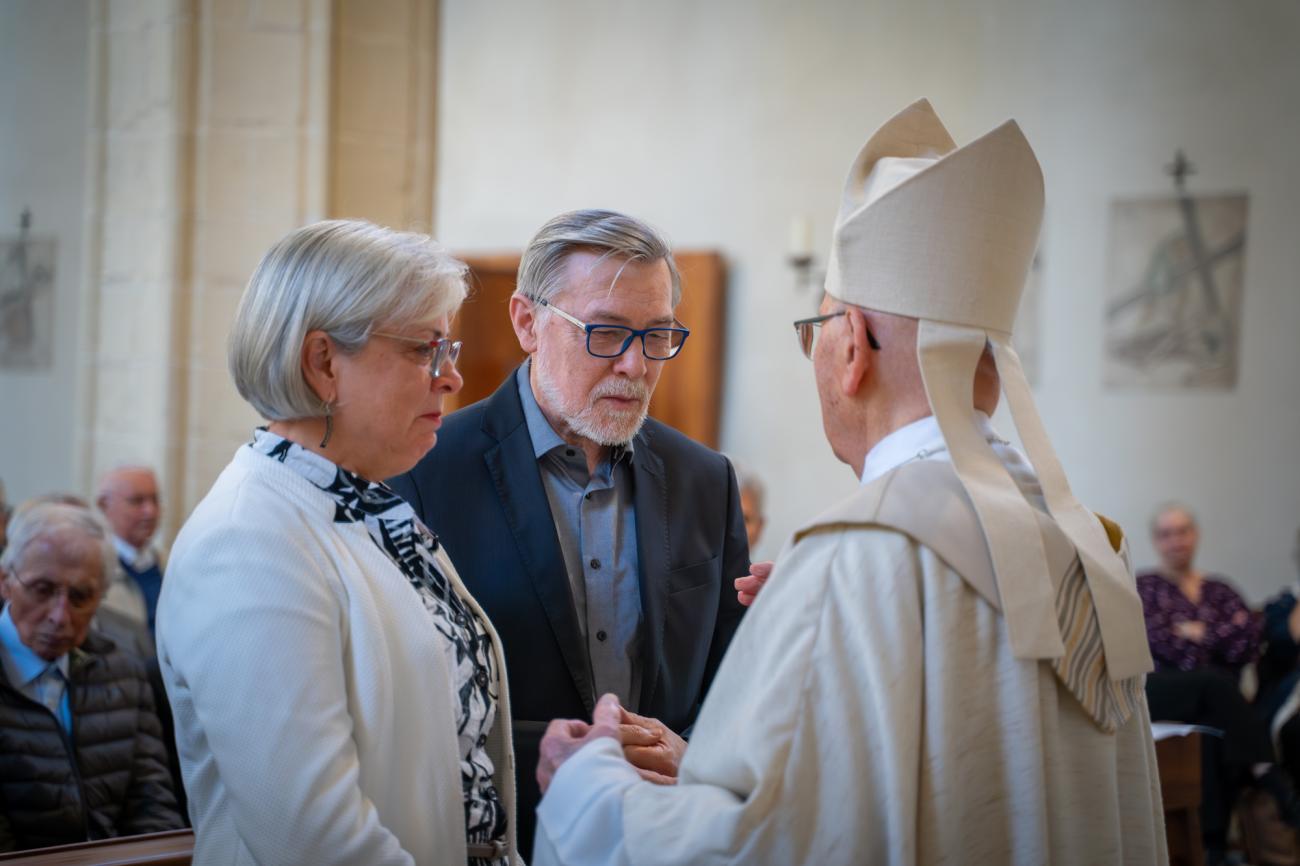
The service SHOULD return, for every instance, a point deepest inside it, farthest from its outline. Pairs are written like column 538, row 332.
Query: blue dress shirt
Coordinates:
column 42, row 681
column 595, row 522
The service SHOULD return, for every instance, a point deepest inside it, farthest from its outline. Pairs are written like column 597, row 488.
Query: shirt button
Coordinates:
column 569, row 452
column 480, row 678
column 600, row 635
column 586, row 496
column 482, row 740
column 595, row 563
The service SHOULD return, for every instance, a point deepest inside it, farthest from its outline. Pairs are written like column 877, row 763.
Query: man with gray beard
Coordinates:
column 602, row 544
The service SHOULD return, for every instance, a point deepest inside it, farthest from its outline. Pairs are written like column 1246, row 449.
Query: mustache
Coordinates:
column 624, row 389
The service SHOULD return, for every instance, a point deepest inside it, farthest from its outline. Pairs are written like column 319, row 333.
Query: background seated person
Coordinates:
column 128, row 499
column 1279, row 699
column 54, row 672
column 1201, row 634
column 5, row 511
column 1193, row 621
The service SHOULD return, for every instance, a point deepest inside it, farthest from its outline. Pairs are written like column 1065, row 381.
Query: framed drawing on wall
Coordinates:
column 1175, row 280
column 27, row 300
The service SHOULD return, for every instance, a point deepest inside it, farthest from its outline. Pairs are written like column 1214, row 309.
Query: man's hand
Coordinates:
column 747, row 587
column 652, row 747
column 1190, row 629
column 565, row 736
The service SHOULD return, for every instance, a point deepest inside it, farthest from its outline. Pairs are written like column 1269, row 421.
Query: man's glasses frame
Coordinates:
column 628, row 335
column 441, row 350
column 46, row 593
column 806, row 332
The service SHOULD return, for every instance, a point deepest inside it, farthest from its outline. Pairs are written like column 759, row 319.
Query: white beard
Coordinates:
column 588, row 421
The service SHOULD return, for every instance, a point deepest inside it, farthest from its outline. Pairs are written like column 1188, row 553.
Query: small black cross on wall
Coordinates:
column 1180, row 169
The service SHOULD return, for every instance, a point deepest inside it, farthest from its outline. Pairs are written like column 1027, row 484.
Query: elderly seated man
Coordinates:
column 80, row 751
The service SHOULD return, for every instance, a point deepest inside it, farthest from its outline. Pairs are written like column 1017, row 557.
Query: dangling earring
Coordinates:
column 329, row 423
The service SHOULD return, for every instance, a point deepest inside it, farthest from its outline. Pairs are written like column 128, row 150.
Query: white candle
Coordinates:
column 801, row 237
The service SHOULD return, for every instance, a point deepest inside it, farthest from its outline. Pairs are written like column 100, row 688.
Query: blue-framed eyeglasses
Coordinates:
column 611, row 341
column 436, row 352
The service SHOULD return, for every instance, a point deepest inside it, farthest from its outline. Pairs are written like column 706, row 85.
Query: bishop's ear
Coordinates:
column 523, row 316
column 858, row 354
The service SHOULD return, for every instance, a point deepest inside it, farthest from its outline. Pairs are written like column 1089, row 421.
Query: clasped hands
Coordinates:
column 648, row 744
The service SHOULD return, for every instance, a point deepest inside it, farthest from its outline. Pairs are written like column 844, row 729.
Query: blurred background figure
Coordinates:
column 128, row 497
column 1279, row 698
column 5, row 511
column 1202, row 634
column 81, row 754
column 753, row 497
column 1194, row 620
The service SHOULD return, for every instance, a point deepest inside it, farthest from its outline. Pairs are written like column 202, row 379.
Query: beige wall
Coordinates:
column 43, row 98
column 207, row 138
column 721, row 121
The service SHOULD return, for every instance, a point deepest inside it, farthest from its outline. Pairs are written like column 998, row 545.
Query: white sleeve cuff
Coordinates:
column 580, row 820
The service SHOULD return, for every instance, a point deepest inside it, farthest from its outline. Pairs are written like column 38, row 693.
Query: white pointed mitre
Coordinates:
column 946, row 235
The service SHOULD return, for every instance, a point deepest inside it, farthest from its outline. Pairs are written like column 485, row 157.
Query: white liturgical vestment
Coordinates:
column 870, row 710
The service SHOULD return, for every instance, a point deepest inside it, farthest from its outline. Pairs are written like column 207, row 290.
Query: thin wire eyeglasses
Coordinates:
column 45, row 593
column 439, row 351
column 611, row 341
column 806, row 331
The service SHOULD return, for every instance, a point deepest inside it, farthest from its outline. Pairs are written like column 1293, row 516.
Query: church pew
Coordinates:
column 1178, row 760
column 174, row 848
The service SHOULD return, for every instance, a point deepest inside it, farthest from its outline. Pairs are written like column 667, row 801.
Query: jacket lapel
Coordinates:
column 518, row 483
column 650, row 499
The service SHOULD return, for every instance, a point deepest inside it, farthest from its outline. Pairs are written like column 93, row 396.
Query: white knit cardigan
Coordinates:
column 314, row 707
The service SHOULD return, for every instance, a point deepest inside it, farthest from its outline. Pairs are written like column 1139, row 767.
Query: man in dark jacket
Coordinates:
column 602, row 544
column 81, row 756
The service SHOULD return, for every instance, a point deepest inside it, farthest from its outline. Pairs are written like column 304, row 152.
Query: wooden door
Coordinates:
column 491, row 350
column 689, row 394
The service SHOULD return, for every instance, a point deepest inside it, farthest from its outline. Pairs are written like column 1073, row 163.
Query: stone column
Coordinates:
column 137, row 235
column 209, row 135
column 382, row 112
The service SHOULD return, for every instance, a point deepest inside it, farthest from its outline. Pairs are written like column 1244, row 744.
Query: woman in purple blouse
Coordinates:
column 1202, row 634
column 1193, row 621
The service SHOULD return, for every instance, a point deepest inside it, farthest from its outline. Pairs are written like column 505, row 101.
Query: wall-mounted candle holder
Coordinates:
column 800, row 255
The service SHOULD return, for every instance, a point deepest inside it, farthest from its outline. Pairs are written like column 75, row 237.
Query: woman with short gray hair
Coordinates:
column 339, row 697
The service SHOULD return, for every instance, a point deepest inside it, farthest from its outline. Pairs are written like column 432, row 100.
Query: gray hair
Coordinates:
column 48, row 516
column 615, row 235
column 1166, row 507
column 346, row 278
column 108, row 479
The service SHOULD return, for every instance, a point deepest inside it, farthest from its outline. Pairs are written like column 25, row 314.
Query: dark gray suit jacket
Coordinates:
column 480, row 489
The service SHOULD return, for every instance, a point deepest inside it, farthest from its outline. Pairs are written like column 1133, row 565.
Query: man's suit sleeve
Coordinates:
column 735, row 563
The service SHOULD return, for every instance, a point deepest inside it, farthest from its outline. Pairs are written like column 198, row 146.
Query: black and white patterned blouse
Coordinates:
column 393, row 526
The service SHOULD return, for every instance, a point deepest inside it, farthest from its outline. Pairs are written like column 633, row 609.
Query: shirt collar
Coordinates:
column 140, row 560
column 919, row 440
column 543, row 435
column 21, row 664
